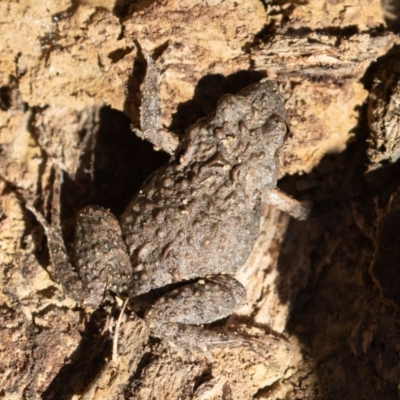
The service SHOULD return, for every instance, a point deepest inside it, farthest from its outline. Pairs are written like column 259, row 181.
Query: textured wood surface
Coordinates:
column 322, row 310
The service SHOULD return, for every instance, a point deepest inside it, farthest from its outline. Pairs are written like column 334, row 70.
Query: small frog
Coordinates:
column 194, row 221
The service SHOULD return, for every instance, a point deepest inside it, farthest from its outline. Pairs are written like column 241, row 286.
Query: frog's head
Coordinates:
column 253, row 120
column 274, row 133
column 246, row 129
column 251, row 130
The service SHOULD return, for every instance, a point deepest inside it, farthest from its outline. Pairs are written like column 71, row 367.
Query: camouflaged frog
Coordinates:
column 195, row 220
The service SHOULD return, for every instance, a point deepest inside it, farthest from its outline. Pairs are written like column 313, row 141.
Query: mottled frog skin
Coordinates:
column 199, row 215
column 196, row 220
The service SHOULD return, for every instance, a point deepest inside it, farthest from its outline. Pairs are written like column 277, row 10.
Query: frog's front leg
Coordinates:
column 175, row 316
column 297, row 209
column 150, row 112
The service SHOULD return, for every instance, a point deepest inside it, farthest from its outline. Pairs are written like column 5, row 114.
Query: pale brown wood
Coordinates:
column 321, row 316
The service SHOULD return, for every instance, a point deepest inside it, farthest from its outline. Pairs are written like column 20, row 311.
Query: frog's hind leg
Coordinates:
column 62, row 270
column 100, row 261
column 175, row 315
column 100, row 256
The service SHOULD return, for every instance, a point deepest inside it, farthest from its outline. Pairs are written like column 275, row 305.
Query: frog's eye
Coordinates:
column 276, row 126
column 226, row 99
column 228, row 105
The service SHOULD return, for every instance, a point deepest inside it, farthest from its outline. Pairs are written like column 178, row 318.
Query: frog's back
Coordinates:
column 200, row 216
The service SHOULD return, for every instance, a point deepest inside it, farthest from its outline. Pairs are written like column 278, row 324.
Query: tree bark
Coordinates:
column 322, row 317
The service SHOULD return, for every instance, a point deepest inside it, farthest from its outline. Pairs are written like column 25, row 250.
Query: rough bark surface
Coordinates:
column 323, row 303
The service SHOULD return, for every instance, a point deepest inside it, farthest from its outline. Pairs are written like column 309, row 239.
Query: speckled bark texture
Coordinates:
column 322, row 312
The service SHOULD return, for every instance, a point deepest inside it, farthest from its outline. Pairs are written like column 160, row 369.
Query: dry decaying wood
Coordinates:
column 322, row 294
